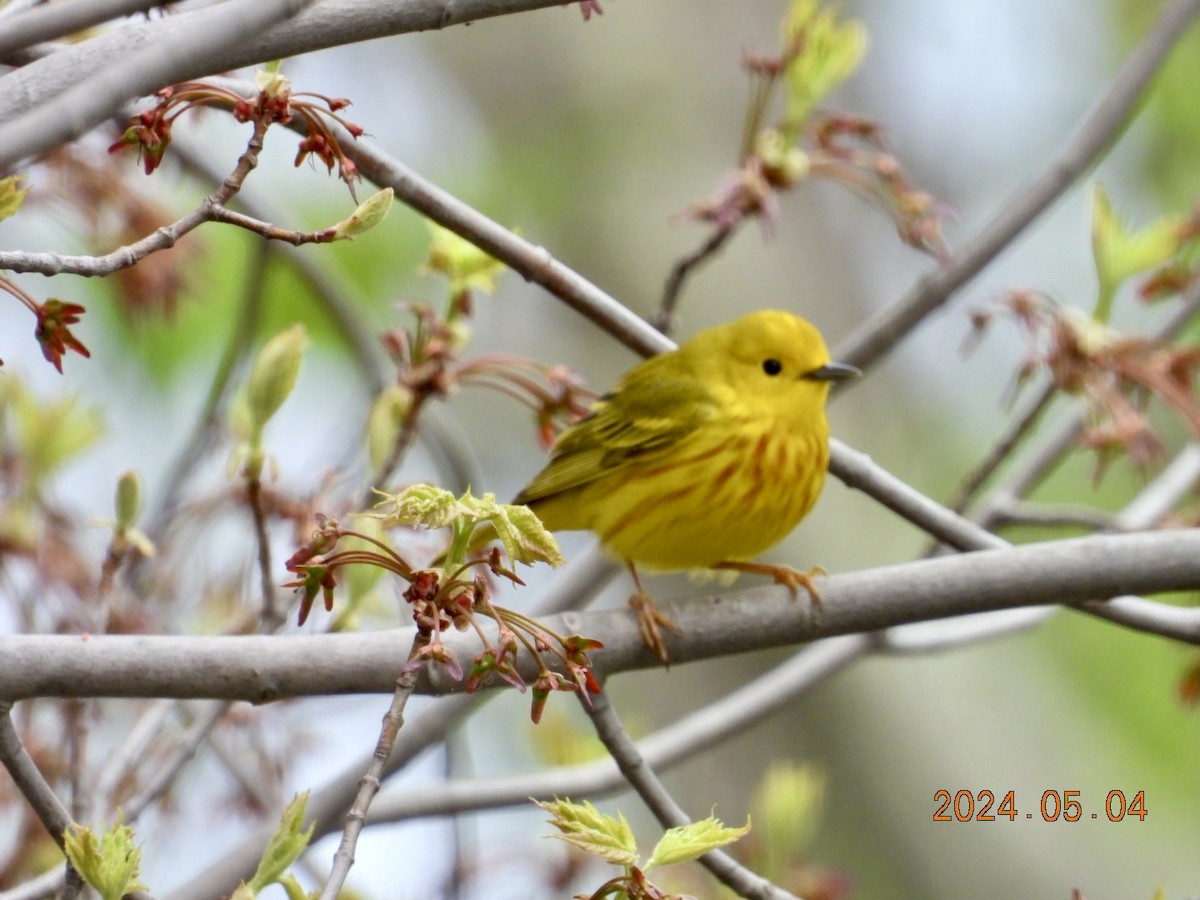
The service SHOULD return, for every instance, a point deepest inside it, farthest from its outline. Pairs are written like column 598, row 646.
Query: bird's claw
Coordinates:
column 650, row 624
column 794, row 578
column 785, row 575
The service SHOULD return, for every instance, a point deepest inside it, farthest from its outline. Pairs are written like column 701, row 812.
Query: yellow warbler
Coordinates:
column 703, row 457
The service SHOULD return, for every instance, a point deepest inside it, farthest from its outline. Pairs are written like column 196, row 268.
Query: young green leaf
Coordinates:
column 789, row 797
column 49, row 431
column 109, row 863
column 274, row 374
column 12, row 195
column 827, row 50
column 270, row 82
column 1121, row 252
column 462, row 262
column 392, row 405
column 421, row 504
column 522, row 533
column 583, row 826
column 691, row 841
column 368, row 214
column 285, row 846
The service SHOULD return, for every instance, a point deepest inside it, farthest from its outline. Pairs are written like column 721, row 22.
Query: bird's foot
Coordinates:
column 785, row 575
column 650, row 623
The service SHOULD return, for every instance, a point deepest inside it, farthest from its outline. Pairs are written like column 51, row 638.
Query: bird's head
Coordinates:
column 771, row 360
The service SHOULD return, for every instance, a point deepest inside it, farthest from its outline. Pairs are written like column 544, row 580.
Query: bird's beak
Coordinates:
column 833, row 372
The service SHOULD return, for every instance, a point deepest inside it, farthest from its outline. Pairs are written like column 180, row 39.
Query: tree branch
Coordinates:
column 368, row 785
column 669, row 813
column 263, row 669
column 25, row 775
column 45, row 23
column 69, row 92
column 187, row 46
column 328, row 805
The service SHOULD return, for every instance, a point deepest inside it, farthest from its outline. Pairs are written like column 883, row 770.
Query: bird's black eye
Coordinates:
column 772, row 366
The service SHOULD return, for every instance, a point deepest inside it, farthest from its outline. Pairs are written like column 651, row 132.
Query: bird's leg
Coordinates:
column 650, row 620
column 785, row 575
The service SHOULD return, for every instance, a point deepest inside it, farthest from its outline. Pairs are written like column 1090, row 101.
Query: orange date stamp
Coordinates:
column 1055, row 806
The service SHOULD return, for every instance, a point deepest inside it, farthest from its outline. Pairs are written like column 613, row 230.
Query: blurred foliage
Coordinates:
column 374, row 272
column 1168, row 158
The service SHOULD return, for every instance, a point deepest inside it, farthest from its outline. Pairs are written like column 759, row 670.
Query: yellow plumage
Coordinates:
column 702, row 457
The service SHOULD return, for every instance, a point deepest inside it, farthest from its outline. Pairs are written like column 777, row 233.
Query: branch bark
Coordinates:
column 61, row 96
column 262, row 669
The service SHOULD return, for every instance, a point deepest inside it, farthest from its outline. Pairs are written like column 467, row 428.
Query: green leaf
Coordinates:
column 285, row 846
column 274, row 375
column 826, row 51
column 294, row 891
column 780, row 155
column 787, row 805
column 369, row 214
column 12, row 195
column 141, row 542
column 128, row 500
column 462, row 262
column 522, row 533
column 1121, row 252
column 388, row 412
column 270, row 82
column 583, row 826
column 421, row 504
column 691, row 841
column 50, row 432
column 108, row 863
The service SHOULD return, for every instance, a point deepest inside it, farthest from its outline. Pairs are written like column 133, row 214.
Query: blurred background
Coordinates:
column 591, row 138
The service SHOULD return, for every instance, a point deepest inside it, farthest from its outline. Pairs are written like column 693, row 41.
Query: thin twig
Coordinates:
column 205, row 430
column 669, row 813
column 36, row 791
column 50, row 263
column 269, row 231
column 368, row 785
column 1018, row 429
column 270, row 616
column 1044, row 457
column 124, row 760
column 162, row 775
column 29, row 781
column 712, row 245
column 1020, row 512
column 46, row 885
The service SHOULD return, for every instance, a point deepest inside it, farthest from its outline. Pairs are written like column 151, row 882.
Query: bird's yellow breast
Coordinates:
column 728, row 495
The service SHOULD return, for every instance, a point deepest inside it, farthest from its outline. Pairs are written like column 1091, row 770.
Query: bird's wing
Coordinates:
column 636, row 422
